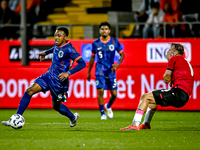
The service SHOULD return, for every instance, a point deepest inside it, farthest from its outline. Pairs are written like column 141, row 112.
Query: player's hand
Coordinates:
column 88, row 76
column 41, row 56
column 169, row 54
column 115, row 66
column 63, row 76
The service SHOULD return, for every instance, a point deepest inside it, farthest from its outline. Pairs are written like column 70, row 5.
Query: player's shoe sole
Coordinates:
column 74, row 122
column 109, row 112
column 6, row 123
column 144, row 127
column 131, row 127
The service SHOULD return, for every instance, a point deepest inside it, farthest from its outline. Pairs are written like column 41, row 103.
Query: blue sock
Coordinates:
column 23, row 104
column 64, row 110
column 109, row 104
column 101, row 108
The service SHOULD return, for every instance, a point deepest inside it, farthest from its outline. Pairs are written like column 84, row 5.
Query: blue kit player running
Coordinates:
column 56, row 79
column 105, row 48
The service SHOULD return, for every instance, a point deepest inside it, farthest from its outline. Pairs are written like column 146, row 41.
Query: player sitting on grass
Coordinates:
column 56, row 79
column 179, row 74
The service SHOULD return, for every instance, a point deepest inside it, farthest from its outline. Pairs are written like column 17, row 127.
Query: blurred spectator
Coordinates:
column 141, row 16
column 144, row 10
column 7, row 17
column 13, row 4
column 32, row 7
column 152, row 25
column 172, row 14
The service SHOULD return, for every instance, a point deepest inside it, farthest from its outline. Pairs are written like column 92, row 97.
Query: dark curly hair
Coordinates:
column 64, row 29
column 105, row 24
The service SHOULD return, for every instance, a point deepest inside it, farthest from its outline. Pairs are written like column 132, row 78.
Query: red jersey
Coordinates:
column 182, row 75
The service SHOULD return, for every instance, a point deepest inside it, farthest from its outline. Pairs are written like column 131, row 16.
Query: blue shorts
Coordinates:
column 46, row 84
column 106, row 83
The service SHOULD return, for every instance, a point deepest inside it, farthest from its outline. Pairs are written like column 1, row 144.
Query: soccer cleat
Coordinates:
column 103, row 117
column 74, row 122
column 131, row 127
column 6, row 123
column 109, row 111
column 144, row 126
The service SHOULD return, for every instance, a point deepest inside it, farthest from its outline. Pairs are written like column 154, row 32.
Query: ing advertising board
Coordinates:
column 140, row 72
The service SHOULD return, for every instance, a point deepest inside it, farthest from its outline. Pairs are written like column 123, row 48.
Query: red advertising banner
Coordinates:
column 141, row 72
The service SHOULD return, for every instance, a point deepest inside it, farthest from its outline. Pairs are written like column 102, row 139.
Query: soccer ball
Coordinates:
column 17, row 121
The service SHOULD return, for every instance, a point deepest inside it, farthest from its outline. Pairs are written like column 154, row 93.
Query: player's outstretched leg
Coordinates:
column 24, row 102
column 74, row 122
column 64, row 110
column 6, row 123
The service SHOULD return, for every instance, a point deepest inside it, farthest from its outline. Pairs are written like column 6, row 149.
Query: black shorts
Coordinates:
column 174, row 97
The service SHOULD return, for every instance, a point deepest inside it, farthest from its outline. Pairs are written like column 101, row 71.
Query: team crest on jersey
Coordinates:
column 97, row 82
column 111, row 47
column 60, row 54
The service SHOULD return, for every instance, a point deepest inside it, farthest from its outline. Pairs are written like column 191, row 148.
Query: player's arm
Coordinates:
column 167, row 76
column 115, row 66
column 42, row 55
column 90, row 66
column 81, row 64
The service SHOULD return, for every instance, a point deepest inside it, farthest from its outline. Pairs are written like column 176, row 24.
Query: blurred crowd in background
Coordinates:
column 153, row 13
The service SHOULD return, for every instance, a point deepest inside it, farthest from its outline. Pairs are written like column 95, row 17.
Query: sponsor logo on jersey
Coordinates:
column 99, row 48
column 97, row 82
column 156, row 52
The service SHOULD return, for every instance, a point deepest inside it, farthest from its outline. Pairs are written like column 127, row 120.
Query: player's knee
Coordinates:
column 100, row 92
column 144, row 97
column 30, row 91
column 114, row 95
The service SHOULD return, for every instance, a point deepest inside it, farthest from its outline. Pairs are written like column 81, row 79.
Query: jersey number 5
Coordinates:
column 100, row 54
column 115, row 83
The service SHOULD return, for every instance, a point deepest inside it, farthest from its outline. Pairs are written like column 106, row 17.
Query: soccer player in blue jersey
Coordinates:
column 56, row 79
column 105, row 48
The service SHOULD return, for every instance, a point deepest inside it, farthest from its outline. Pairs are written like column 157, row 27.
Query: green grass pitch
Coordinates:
column 47, row 129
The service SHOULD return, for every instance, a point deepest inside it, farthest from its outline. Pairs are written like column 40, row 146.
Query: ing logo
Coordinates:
column 156, row 52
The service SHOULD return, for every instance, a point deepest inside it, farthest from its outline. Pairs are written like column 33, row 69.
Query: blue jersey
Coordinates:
column 62, row 57
column 105, row 56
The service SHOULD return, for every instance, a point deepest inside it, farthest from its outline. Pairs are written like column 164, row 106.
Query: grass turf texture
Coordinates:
column 47, row 129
